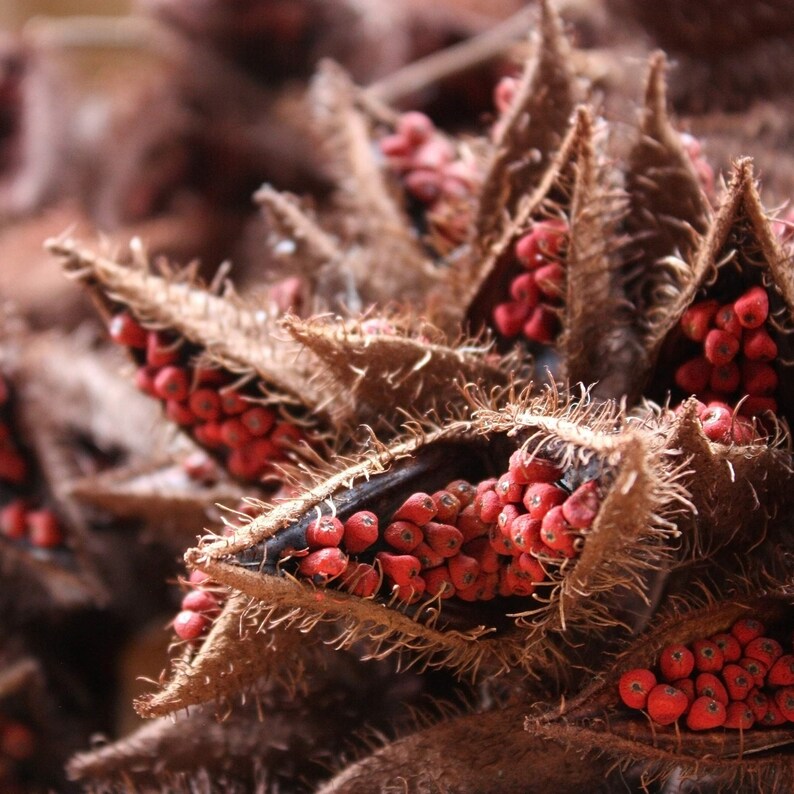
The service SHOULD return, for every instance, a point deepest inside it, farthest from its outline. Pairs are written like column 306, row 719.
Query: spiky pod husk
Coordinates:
column 750, row 760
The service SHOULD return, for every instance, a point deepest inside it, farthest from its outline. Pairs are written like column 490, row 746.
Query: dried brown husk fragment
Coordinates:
column 439, row 758
column 759, row 759
column 667, row 210
column 739, row 238
column 631, row 535
column 373, row 376
column 532, row 131
column 382, row 248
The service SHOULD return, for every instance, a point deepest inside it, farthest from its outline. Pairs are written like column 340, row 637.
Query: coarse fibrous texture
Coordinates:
column 506, row 419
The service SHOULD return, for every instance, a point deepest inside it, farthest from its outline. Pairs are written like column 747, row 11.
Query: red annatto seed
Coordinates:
column 172, row 383
column 743, row 431
column 160, row 352
column 400, row 568
column 717, row 422
column 471, row 525
column 395, row 145
column 209, row 376
column 757, row 702
column 581, row 507
column 756, row 669
column 44, row 530
column 543, row 243
column 729, row 645
column 726, row 319
column 517, row 581
column 179, row 413
column 13, row 467
column 720, row 347
column 200, row 467
column 738, row 717
column 325, row 563
column 709, row 685
column 360, row 531
column 527, row 469
column 705, row 714
column 556, row 533
column 666, row 704
column 501, row 543
column 755, row 406
column 198, row 577
column 415, row 127
column 463, row 570
column 758, row 378
column 764, row 649
column 189, row 625
column 201, row 601
column 509, row 317
column 504, row 93
column 403, row 535
column 17, row 742
column 410, row 593
column 418, row 508
column 708, row 656
column 485, row 485
column 463, row 490
column 738, row 681
column 525, row 532
column 234, row 433
column 423, row 184
column 208, row 434
column 747, row 629
column 286, row 435
column 244, row 465
column 428, row 558
column 205, row 404
column 725, row 379
column 524, row 290
column 687, row 686
column 752, row 308
column 758, row 345
column 696, row 320
column 325, row 531
column 488, row 506
column 634, row 687
column 232, row 403
column 773, row 715
column 438, row 582
column 781, row 673
column 360, row 579
column 13, row 520
column 125, row 330
column 530, row 566
column 144, row 380
column 784, row 700
column 550, row 280
column 444, row 539
column 540, row 497
column 483, row 552
column 541, row 326
column 447, row 506
column 508, row 490
column 676, row 661
column 693, row 376
column 507, row 515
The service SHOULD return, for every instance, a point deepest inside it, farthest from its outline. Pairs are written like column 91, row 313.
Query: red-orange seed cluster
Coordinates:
column 199, row 607
column 737, row 680
column 471, row 542
column 219, row 417
column 536, row 294
column 735, row 366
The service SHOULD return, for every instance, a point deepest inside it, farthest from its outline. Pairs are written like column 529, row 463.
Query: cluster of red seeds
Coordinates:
column 199, row 607
column 733, row 680
column 203, row 401
column 427, row 163
column 472, row 542
column 735, row 364
column 536, row 295
column 17, row 520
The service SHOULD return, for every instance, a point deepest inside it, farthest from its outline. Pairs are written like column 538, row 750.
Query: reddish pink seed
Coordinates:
column 726, row 378
column 325, row 531
column 125, row 330
column 172, row 383
column 444, row 539
column 232, row 403
column 13, row 467
column 509, row 317
column 189, row 625
column 540, row 497
column 418, row 508
column 179, row 413
column 201, row 601
column 693, row 376
column 258, row 420
column 415, row 127
column 581, row 507
column 447, row 507
column 324, row 563
column 755, row 406
column 489, row 506
column 727, row 320
column 285, row 435
column 360, row 531
column 483, row 552
column 403, row 535
column 720, row 347
column 13, row 520
column 509, row 490
column 44, row 530
column 438, row 582
column 696, row 320
column 524, row 290
column 360, row 579
column 234, row 433
column 550, row 280
column 542, row 326
column 470, row 525
column 759, row 379
column 752, row 308
column 160, row 352
column 717, row 421
column 205, row 404
column 525, row 468
column 556, row 533
column 400, row 568
column 144, row 380
column 759, row 345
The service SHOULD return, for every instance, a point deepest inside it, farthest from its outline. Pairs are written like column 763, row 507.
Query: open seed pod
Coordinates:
column 724, row 334
column 754, row 754
column 419, row 548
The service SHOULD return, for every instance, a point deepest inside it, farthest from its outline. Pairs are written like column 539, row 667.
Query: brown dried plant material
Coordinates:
column 753, row 759
column 667, row 209
column 482, row 753
column 533, row 129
